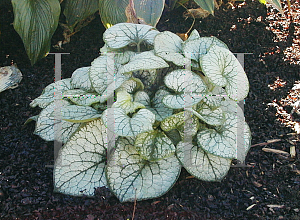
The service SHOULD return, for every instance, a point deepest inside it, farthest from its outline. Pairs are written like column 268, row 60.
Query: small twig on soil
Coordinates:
column 270, row 150
column 266, row 143
column 134, row 207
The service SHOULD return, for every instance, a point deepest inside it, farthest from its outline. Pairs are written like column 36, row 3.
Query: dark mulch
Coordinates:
column 246, row 193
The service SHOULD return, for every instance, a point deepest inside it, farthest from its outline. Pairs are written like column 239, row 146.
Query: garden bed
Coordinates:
column 269, row 188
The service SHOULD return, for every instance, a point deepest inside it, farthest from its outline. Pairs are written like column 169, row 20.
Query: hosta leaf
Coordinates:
column 202, row 165
column 36, row 22
column 154, row 145
column 198, row 47
column 276, row 4
column 77, row 114
column 145, row 60
column 221, row 141
column 103, row 73
column 129, row 126
column 185, row 83
column 224, row 70
column 112, row 12
column 79, row 10
column 131, row 177
column 208, row 5
column 169, row 47
column 79, row 168
column 48, row 93
column 81, row 97
column 125, row 101
column 123, row 34
column 47, row 124
column 81, row 80
column 149, row 10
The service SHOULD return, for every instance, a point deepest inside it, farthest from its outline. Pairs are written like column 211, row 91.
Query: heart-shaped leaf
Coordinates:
column 130, row 177
column 123, row 34
column 81, row 80
column 202, row 165
column 221, row 141
column 198, row 47
column 81, row 97
column 145, row 60
column 78, row 114
column 103, row 73
column 48, row 122
column 79, row 168
column 132, row 85
column 129, row 126
column 154, row 145
column 36, row 22
column 211, row 116
column 156, row 105
column 48, row 94
column 125, row 101
column 189, row 88
column 168, row 46
column 226, row 71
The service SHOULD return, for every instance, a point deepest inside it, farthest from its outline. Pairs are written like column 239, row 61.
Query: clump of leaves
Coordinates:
column 150, row 104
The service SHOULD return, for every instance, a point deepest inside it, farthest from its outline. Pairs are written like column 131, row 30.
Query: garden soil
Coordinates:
column 267, row 188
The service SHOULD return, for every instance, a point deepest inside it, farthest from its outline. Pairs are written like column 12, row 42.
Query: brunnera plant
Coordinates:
column 174, row 105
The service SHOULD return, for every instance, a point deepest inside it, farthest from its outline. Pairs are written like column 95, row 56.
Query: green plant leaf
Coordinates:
column 202, row 165
column 81, row 97
column 177, row 121
column 103, row 75
column 193, row 36
column 129, row 126
column 36, row 21
column 112, row 12
column 131, row 177
column 154, row 145
column 168, row 46
column 145, row 60
column 125, row 101
column 224, row 70
column 45, row 125
column 221, row 140
column 123, row 34
column 79, row 114
column 184, row 82
column 79, row 10
column 132, row 85
column 208, row 5
column 211, row 116
column 79, row 168
column 172, row 122
column 155, row 105
column 80, row 79
column 195, row 47
column 149, row 11
column 48, row 94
